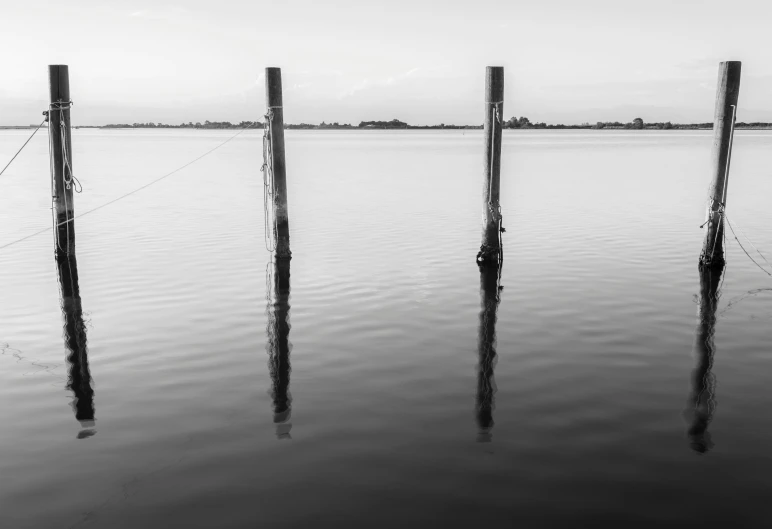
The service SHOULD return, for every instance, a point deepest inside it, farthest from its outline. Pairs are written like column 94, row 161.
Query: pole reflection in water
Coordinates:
column 486, row 336
column 702, row 400
column 79, row 377
column 278, row 346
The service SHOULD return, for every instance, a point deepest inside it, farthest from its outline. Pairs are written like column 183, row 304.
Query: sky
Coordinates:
column 565, row 61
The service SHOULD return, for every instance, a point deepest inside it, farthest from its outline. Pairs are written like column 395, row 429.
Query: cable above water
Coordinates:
column 22, row 147
column 210, row 151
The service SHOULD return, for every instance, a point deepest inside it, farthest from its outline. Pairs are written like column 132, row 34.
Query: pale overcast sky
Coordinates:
column 422, row 62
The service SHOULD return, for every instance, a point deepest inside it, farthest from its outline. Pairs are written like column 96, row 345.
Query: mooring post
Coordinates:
column 278, row 168
column 490, row 250
column 723, row 129
column 61, row 159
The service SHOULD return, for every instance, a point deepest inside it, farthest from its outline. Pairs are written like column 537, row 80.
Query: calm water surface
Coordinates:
column 369, row 390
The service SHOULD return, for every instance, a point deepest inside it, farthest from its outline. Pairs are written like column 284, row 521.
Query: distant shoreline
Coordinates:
column 395, row 124
column 399, row 125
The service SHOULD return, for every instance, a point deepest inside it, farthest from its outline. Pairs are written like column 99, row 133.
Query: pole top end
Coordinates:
column 494, row 83
column 730, row 65
column 273, row 92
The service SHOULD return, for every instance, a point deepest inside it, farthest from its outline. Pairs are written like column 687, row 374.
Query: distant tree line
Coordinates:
column 635, row 124
column 512, row 123
column 190, row 125
column 397, row 124
column 322, row 125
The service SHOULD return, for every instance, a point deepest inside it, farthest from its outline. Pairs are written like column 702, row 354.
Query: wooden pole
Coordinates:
column 75, row 342
column 486, row 350
column 279, row 347
column 702, row 399
column 712, row 254
column 275, row 113
column 61, row 159
column 490, row 250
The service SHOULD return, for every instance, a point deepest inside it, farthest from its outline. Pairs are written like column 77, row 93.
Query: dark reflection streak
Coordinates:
column 486, row 336
column 278, row 345
column 79, row 376
column 702, row 400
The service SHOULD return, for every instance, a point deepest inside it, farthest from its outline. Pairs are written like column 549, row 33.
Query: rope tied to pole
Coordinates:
column 494, row 209
column 67, row 175
column 270, row 234
column 69, row 178
column 69, row 181
column 495, row 117
column 716, row 209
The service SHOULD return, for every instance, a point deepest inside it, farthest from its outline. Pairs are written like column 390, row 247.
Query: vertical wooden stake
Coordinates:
column 490, row 250
column 61, row 159
column 275, row 113
column 712, row 254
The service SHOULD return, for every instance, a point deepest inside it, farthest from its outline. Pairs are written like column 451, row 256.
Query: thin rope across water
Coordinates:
column 167, row 175
column 743, row 248
column 22, row 147
column 751, row 243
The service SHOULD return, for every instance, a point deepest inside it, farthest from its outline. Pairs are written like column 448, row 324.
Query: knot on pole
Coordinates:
column 57, row 105
column 489, row 256
column 721, row 210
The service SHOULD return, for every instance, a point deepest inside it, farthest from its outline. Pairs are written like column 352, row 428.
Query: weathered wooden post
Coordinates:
column 702, row 399
column 277, row 166
column 279, row 347
column 61, row 159
column 723, row 128
column 79, row 380
column 486, row 350
column 490, row 250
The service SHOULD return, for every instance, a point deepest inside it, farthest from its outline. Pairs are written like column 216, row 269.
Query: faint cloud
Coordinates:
column 402, row 76
column 371, row 83
column 361, row 85
column 706, row 63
